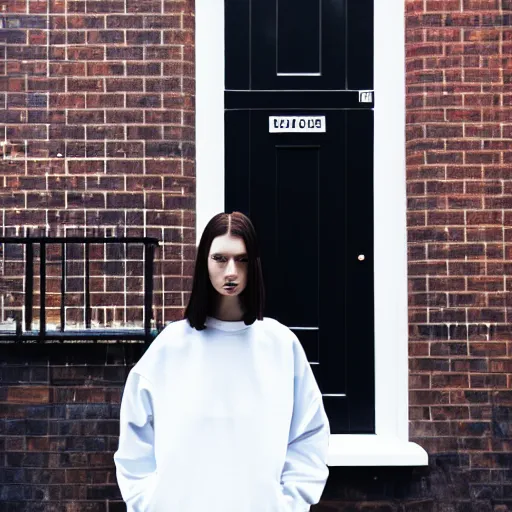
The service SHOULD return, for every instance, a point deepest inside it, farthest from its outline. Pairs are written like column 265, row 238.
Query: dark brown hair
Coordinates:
column 204, row 295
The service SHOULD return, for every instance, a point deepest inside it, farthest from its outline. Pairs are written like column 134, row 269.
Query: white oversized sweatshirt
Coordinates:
column 228, row 419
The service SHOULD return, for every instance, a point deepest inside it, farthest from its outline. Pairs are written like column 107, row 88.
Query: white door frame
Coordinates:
column 390, row 445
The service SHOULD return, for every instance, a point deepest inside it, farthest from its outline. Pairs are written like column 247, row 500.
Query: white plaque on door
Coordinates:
column 286, row 124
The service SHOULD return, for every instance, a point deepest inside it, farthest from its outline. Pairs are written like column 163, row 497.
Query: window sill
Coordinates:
column 374, row 450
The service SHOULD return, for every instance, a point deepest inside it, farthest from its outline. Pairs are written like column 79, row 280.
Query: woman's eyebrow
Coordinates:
column 242, row 255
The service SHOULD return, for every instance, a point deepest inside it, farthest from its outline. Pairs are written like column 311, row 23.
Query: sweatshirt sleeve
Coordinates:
column 135, row 460
column 305, row 470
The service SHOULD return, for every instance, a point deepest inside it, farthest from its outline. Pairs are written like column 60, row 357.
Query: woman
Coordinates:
column 222, row 413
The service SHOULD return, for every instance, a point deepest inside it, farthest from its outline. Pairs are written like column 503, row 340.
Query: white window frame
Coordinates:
column 390, row 446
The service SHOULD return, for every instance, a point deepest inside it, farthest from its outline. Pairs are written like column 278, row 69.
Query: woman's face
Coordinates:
column 227, row 263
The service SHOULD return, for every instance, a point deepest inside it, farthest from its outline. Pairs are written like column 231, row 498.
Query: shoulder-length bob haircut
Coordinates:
column 203, row 296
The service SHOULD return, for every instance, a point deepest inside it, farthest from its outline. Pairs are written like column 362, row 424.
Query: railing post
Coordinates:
column 42, row 291
column 87, row 290
column 29, row 285
column 63, row 287
column 149, row 252
column 17, row 319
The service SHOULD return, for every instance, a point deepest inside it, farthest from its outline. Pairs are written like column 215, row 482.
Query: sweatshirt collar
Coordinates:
column 224, row 325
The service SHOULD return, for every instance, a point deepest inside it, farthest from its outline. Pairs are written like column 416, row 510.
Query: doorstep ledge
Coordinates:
column 374, row 450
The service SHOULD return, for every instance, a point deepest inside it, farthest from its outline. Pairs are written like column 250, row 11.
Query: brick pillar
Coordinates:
column 459, row 140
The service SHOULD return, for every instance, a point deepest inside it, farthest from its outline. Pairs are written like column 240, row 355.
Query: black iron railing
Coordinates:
column 146, row 333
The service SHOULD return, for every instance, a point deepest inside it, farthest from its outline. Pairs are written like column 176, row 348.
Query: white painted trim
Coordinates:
column 373, row 450
column 390, row 444
column 209, row 111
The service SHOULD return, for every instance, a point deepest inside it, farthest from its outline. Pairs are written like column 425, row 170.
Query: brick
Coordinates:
column 138, row 37
column 85, row 166
column 160, row 53
column 463, row 145
column 144, row 132
column 86, row 52
column 105, row 100
column 66, row 132
column 128, row 53
column 76, row 37
column 144, row 69
column 443, row 5
column 125, row 117
column 46, row 84
column 46, row 200
column 106, row 37
column 143, row 100
column 86, row 84
column 179, row 133
column 464, row 203
column 85, row 21
column 124, row 21
column 163, row 84
column 100, row 6
column 176, row 100
column 105, row 69
column 166, row 21
column 480, row 131
column 104, row 183
column 488, row 381
column 124, row 84
column 14, row 37
column 176, row 36
column 484, row 218
column 67, row 100
column 420, row 397
column 124, row 149
column 27, row 52
column 30, row 394
column 166, row 149
column 129, row 200
column 476, row 5
column 150, row 6
column 12, row 200
column 35, row 167
column 105, row 132
column 124, row 167
column 465, row 268
column 486, row 188
column 442, row 218
column 21, row 217
column 85, row 116
column 27, row 132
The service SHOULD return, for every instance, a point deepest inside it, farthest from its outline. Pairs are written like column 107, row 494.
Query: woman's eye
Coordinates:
column 223, row 259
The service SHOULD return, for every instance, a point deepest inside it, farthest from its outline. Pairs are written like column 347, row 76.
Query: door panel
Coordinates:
column 299, row 44
column 298, row 37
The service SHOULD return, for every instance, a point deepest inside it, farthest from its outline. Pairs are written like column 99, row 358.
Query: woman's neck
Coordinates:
column 228, row 309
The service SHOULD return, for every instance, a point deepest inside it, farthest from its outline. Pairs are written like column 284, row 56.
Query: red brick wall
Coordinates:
column 97, row 120
column 59, row 425
column 459, row 183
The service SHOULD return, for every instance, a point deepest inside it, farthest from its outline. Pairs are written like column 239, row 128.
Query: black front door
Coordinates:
column 299, row 163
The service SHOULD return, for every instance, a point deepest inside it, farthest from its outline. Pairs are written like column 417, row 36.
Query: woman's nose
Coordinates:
column 231, row 268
